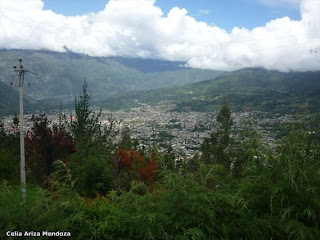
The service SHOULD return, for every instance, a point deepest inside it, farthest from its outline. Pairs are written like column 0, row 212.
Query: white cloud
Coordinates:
column 138, row 28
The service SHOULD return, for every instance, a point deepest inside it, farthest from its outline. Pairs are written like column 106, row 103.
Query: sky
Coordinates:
column 280, row 35
column 223, row 13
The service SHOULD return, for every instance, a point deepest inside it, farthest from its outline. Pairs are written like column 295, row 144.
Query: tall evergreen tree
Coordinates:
column 90, row 164
column 215, row 148
column 87, row 124
column 39, row 145
column 126, row 142
column 44, row 145
column 225, row 122
column 9, row 155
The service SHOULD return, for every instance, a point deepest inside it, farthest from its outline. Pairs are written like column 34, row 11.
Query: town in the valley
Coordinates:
column 183, row 131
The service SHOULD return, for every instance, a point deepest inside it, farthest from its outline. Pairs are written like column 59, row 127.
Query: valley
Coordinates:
column 119, row 83
column 183, row 132
column 153, row 119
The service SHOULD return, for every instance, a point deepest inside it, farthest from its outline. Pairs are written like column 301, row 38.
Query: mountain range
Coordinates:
column 246, row 89
column 60, row 75
column 118, row 82
column 9, row 100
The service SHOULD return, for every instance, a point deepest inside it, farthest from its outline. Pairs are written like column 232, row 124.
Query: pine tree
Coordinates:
column 225, row 122
column 86, row 126
column 39, row 145
column 215, row 148
column 2, row 132
column 90, row 164
column 126, row 142
column 9, row 155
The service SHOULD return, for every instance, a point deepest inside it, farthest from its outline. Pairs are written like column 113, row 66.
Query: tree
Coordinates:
column 131, row 166
column 39, row 149
column 15, row 120
column 86, row 126
column 89, row 165
column 167, row 160
column 44, row 145
column 2, row 131
column 126, row 142
column 215, row 148
column 225, row 122
column 280, row 186
column 9, row 155
column 91, row 172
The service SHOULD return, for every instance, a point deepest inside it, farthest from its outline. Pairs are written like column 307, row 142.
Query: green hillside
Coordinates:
column 117, row 82
column 9, row 100
column 60, row 75
column 246, row 89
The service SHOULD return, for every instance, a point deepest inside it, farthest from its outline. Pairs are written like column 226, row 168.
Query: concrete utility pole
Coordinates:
column 21, row 73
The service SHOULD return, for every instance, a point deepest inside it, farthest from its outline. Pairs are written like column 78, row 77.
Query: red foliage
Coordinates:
column 62, row 141
column 44, row 145
column 138, row 167
column 148, row 171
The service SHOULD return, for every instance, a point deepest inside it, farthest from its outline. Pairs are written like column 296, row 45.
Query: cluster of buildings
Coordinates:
column 183, row 131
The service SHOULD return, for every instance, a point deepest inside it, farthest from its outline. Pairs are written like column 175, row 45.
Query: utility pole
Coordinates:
column 21, row 73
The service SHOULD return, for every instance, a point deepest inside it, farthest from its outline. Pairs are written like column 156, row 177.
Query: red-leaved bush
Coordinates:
column 135, row 166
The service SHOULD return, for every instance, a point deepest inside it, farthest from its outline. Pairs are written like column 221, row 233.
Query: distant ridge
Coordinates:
column 60, row 75
column 246, row 89
column 150, row 65
column 119, row 82
column 9, row 100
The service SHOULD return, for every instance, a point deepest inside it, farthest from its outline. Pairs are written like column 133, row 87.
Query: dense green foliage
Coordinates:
column 103, row 189
column 9, row 156
column 89, row 164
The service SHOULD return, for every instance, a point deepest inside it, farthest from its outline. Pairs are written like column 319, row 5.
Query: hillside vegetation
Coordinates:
column 9, row 100
column 82, row 180
column 60, row 75
column 246, row 89
column 123, row 82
